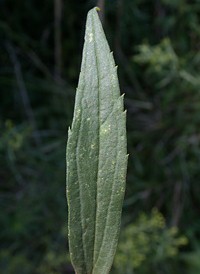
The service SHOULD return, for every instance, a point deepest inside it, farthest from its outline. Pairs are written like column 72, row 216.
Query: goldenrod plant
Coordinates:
column 96, row 157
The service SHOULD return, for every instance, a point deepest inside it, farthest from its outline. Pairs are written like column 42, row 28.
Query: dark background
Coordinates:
column 156, row 45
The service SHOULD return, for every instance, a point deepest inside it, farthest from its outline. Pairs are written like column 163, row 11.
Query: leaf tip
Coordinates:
column 97, row 8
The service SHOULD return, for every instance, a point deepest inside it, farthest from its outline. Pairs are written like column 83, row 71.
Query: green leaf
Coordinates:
column 96, row 157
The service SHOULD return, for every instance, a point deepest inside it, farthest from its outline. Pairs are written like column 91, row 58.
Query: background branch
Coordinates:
column 22, row 89
column 57, row 39
column 101, row 5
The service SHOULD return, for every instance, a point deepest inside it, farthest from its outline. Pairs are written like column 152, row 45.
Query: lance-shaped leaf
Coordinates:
column 96, row 157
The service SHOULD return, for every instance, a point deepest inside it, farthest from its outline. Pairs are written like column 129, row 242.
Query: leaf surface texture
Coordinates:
column 96, row 157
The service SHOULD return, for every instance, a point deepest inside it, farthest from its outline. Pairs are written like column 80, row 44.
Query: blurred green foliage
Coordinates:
column 147, row 245
column 156, row 45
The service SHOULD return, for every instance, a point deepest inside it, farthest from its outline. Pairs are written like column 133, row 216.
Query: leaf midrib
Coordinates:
column 80, row 191
column 99, row 125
